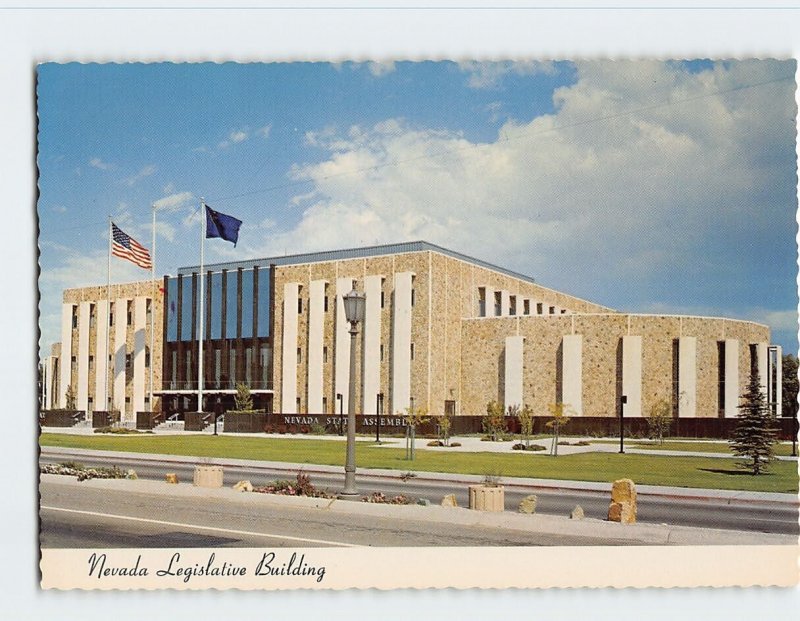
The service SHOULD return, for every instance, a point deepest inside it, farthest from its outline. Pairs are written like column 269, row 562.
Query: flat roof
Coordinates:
column 351, row 253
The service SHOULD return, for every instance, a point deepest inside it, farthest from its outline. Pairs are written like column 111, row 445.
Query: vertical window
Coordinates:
column 263, row 301
column 381, row 350
column 498, row 303
column 721, row 378
column 91, row 362
column 481, row 301
column 552, row 310
column 172, row 310
column 297, row 404
column 539, row 308
column 129, row 311
column 412, row 351
column 111, row 313
column 526, row 307
column 413, row 297
column 231, row 285
column 148, row 309
column 232, row 367
column 215, row 294
column 247, row 304
column 512, row 305
column 147, row 357
column 248, row 365
column 299, row 355
column 91, row 315
column 325, row 302
column 383, row 298
column 74, row 362
column 266, row 365
column 325, row 353
column 174, row 375
column 324, row 405
column 127, row 361
column 217, row 365
column 74, row 317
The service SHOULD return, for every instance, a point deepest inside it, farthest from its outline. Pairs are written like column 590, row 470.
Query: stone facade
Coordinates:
column 447, row 334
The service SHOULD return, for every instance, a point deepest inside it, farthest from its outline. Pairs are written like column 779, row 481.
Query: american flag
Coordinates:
column 126, row 247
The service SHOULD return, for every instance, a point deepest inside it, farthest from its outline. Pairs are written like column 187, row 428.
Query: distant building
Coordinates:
column 442, row 331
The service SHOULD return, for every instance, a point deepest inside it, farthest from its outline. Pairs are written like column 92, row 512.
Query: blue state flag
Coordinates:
column 222, row 225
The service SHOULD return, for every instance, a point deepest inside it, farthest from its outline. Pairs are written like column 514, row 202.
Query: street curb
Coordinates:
column 699, row 494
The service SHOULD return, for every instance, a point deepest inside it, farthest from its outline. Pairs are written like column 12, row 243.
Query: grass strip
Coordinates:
column 703, row 472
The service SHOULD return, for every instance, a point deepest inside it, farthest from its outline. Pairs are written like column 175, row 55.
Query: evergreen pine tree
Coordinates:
column 755, row 431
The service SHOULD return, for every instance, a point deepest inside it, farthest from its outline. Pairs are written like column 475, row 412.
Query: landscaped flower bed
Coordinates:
column 302, row 486
column 83, row 473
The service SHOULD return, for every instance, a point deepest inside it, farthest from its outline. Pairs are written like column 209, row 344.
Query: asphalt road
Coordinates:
column 83, row 517
column 707, row 513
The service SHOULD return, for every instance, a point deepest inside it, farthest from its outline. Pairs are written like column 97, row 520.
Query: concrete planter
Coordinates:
column 487, row 498
column 208, row 476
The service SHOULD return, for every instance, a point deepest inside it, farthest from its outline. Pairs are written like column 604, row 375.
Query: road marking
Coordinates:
column 199, row 527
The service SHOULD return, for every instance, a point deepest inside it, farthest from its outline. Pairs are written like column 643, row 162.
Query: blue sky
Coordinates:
column 666, row 187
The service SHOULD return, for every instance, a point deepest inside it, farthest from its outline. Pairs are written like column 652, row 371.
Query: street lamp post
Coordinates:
column 354, row 305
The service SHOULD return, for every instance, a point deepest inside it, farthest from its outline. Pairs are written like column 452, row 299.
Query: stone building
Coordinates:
column 442, row 331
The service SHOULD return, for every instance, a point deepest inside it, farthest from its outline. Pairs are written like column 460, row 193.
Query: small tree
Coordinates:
column 559, row 413
column 790, row 385
column 526, row 424
column 243, row 399
column 659, row 420
column 69, row 398
column 444, row 424
column 414, row 416
column 494, row 423
column 755, row 431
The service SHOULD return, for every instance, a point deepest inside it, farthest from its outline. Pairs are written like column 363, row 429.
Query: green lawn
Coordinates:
column 699, row 446
column 707, row 472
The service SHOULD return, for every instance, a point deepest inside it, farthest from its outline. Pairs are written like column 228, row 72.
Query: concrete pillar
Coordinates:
column 66, row 353
column 572, row 372
column 505, row 303
column 342, row 348
column 401, row 343
column 513, row 371
column 489, row 306
column 687, row 377
column 632, row 375
column 316, row 323
column 120, row 350
column 139, row 344
column 731, row 378
column 291, row 292
column 49, row 382
column 763, row 367
column 82, row 388
column 778, row 388
column 101, row 358
column 371, row 368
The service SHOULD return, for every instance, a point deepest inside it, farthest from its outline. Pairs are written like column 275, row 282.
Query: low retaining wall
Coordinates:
column 61, row 418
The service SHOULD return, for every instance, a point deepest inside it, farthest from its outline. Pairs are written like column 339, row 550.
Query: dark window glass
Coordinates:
column 230, row 308
column 216, row 305
column 186, row 309
column 247, row 304
column 172, row 310
column 263, row 301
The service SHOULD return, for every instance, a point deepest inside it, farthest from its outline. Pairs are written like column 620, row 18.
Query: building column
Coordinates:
column 632, row 375
column 371, row 368
column 572, row 372
column 687, row 377
column 101, row 358
column 505, row 303
column 762, row 352
column 513, row 371
column 82, row 388
column 401, row 343
column 120, row 350
column 66, row 353
column 341, row 359
column 778, row 388
column 731, row 378
column 139, row 343
column 316, row 323
column 291, row 291
column 49, row 383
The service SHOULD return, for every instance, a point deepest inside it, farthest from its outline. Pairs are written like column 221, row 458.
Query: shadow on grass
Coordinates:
column 729, row 471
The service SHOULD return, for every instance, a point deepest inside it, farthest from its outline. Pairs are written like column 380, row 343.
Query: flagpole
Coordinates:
column 107, row 392
column 152, row 306
column 200, row 308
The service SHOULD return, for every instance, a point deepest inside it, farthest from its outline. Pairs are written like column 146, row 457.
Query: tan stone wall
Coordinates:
column 482, row 361
column 130, row 291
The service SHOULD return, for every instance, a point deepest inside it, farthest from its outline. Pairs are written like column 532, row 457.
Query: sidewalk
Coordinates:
column 730, row 496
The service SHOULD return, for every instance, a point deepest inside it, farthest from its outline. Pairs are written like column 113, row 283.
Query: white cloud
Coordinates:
column 264, row 131
column 235, row 137
column 487, row 75
column 379, row 69
column 643, row 174
column 58, row 208
column 174, row 201
column 96, row 162
column 144, row 172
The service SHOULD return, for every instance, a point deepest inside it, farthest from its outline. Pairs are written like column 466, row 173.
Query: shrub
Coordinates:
column 493, row 422
column 243, row 399
column 301, row 486
column 455, row 444
column 380, row 497
column 435, row 443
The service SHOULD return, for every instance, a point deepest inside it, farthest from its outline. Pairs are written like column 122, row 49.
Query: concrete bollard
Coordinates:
column 208, row 476
column 487, row 497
